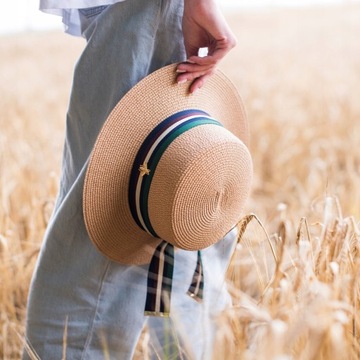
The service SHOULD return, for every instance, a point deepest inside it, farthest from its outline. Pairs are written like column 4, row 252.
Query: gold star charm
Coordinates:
column 143, row 169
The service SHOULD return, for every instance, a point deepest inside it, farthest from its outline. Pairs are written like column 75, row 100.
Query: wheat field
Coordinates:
column 295, row 273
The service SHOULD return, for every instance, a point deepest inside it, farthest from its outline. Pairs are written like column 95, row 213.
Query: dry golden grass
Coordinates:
column 295, row 273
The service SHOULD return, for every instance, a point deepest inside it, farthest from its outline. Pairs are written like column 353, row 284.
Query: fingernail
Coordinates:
column 190, row 62
column 183, row 81
column 180, row 71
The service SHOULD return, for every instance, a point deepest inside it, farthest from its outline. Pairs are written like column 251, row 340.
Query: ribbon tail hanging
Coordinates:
column 196, row 289
column 159, row 282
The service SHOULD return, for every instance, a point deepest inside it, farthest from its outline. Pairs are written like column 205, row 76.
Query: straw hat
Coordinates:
column 168, row 165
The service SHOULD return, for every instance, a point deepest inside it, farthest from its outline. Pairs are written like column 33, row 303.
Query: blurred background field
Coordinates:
column 295, row 273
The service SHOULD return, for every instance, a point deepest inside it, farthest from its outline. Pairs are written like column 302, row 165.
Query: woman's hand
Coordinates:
column 204, row 26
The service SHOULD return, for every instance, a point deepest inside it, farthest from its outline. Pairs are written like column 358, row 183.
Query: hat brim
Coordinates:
column 105, row 196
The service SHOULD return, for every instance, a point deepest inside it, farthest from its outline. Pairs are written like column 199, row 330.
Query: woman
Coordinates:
column 79, row 300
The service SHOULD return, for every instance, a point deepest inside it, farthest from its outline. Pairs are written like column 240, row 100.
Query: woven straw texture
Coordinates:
column 201, row 182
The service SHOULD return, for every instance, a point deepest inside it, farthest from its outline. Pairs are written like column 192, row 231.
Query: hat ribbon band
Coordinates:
column 149, row 156
column 159, row 282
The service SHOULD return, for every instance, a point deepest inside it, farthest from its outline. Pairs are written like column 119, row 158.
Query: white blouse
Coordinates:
column 68, row 10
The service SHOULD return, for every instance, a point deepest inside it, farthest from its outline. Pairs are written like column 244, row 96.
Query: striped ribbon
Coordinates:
column 162, row 263
column 159, row 281
column 196, row 289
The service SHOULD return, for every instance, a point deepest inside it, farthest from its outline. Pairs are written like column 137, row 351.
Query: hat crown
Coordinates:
column 182, row 168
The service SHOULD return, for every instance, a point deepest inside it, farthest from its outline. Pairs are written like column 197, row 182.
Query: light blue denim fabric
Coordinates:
column 102, row 302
